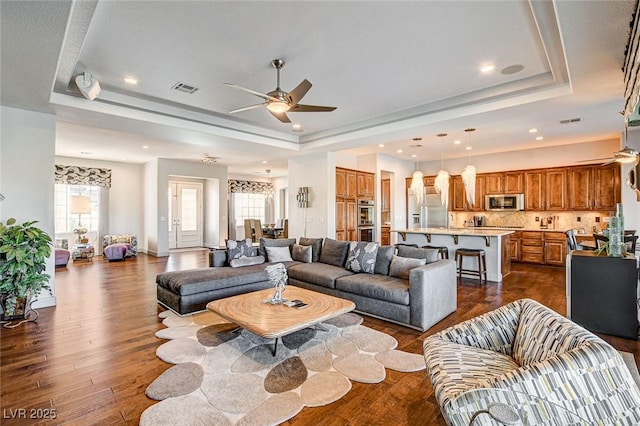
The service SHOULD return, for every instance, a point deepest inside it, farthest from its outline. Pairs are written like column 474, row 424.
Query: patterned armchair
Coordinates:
column 130, row 240
column 530, row 349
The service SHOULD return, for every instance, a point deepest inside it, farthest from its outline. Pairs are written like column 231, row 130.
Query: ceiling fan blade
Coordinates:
column 298, row 93
column 253, row 92
column 594, row 159
column 247, row 108
column 611, row 161
column 280, row 116
column 311, row 108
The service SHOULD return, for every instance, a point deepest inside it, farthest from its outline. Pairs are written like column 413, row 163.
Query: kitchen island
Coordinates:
column 495, row 243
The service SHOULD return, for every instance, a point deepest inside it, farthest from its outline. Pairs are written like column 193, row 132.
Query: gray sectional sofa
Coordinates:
column 417, row 297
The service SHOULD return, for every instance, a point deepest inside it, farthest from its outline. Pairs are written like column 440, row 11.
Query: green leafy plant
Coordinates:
column 23, row 253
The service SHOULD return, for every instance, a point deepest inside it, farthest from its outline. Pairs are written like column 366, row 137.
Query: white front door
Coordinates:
column 185, row 215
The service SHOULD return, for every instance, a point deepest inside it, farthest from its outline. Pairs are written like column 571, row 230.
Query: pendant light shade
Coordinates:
column 442, row 186
column 417, row 186
column 469, row 182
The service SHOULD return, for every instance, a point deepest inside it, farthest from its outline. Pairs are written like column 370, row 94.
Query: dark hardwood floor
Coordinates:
column 91, row 357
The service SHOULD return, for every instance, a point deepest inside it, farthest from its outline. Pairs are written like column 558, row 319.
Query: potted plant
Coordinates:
column 23, row 253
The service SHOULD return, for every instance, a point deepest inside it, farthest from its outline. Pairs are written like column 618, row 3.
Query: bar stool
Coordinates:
column 443, row 251
column 461, row 253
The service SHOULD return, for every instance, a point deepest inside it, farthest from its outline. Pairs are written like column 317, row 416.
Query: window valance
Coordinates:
column 76, row 175
column 250, row 186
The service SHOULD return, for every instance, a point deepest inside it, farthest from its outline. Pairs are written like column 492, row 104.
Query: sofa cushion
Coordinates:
column 401, row 266
column 246, row 261
column 542, row 334
column 362, row 257
column 278, row 254
column 302, row 253
column 318, row 273
column 380, row 287
column 383, row 259
column 239, row 249
column 334, row 252
column 430, row 255
column 316, row 244
column 274, row 242
column 206, row 279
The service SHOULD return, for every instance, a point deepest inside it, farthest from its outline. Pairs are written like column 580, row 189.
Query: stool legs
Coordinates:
column 481, row 262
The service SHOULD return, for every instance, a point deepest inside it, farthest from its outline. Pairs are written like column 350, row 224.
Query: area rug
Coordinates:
column 223, row 376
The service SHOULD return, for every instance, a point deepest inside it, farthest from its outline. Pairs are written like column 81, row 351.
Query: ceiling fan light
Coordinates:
column 278, row 107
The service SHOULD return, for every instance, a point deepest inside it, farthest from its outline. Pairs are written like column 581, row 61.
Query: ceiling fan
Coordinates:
column 279, row 102
column 625, row 155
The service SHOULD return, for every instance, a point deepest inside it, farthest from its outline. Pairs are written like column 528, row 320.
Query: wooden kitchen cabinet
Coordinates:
column 606, row 187
column 531, row 247
column 365, row 182
column 514, row 246
column 580, row 188
column 385, row 235
column 494, row 183
column 555, row 190
column 352, row 220
column 341, row 220
column 341, row 183
column 534, row 193
column 351, row 184
column 513, row 182
column 555, row 248
column 457, row 200
column 346, row 206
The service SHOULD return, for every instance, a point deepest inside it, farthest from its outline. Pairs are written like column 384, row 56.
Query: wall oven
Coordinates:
column 366, row 213
column 366, row 234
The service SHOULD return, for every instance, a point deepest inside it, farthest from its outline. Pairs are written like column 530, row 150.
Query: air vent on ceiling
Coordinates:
column 570, row 120
column 185, row 88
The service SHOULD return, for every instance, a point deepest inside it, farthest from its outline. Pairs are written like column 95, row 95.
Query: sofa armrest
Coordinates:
column 495, row 330
column 432, row 293
column 591, row 380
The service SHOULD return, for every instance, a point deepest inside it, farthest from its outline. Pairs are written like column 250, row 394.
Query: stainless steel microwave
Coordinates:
column 507, row 202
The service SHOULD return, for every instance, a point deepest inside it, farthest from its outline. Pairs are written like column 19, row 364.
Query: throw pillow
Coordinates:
column 383, row 259
column 278, row 242
column 302, row 253
column 430, row 255
column 278, row 254
column 401, row 266
column 246, row 261
column 316, row 243
column 334, row 252
column 239, row 249
column 362, row 257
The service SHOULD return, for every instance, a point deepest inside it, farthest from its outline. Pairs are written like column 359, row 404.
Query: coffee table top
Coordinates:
column 273, row 321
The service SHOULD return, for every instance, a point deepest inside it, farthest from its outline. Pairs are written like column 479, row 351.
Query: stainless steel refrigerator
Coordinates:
column 431, row 214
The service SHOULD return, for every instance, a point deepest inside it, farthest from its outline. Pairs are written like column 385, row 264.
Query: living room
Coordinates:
column 575, row 72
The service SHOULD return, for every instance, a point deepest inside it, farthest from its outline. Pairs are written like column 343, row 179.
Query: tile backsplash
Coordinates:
column 584, row 222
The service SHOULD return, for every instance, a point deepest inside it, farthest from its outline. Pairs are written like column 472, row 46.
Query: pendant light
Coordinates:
column 269, row 192
column 469, row 176
column 417, row 182
column 442, row 179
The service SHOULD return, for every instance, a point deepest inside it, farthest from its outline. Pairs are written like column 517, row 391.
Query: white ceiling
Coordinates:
column 394, row 70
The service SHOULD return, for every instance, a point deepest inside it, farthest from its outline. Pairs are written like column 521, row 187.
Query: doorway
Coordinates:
column 185, row 215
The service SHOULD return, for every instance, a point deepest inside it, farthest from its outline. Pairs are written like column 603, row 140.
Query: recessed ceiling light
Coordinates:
column 487, row 68
column 539, row 138
column 86, row 152
column 512, row 69
column 414, row 155
column 534, row 130
column 380, row 145
column 456, row 142
column 468, row 148
column 123, row 159
column 399, row 151
column 264, row 161
column 296, row 126
column 130, row 80
column 145, row 146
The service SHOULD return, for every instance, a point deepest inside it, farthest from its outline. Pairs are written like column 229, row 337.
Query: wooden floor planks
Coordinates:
column 92, row 357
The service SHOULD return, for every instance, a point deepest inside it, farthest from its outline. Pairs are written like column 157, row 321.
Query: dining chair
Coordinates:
column 600, row 240
column 629, row 232
column 257, row 230
column 572, row 243
column 248, row 229
column 630, row 241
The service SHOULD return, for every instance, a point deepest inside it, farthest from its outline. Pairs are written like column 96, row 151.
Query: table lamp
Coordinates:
column 80, row 205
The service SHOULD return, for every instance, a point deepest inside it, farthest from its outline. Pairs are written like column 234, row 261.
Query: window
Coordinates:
column 65, row 221
column 249, row 206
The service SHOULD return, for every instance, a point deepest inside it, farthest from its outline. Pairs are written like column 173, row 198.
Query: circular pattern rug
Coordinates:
column 226, row 376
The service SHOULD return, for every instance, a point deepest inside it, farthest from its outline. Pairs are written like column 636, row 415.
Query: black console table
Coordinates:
column 602, row 293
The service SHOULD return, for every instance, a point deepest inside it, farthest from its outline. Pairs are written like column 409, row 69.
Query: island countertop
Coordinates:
column 457, row 231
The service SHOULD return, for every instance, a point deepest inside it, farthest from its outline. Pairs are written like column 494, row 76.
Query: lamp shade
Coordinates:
column 469, row 182
column 442, row 186
column 80, row 204
column 417, row 186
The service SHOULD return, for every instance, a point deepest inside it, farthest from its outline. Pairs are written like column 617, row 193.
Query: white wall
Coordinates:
column 149, row 241
column 126, row 196
column 316, row 171
column 212, row 212
column 400, row 170
column 630, row 203
column 27, row 175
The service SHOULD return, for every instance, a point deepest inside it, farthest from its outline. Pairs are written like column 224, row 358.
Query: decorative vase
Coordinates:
column 14, row 307
column 615, row 237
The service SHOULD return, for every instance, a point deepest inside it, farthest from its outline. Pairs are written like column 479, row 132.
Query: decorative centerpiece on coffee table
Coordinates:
column 278, row 278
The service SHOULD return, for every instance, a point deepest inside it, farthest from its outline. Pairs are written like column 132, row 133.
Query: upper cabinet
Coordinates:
column 494, row 183
column 556, row 189
column 456, row 194
column 580, row 188
column 386, row 195
column 351, row 184
column 534, row 195
column 345, row 183
column 514, row 182
column 365, row 185
column 606, row 187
